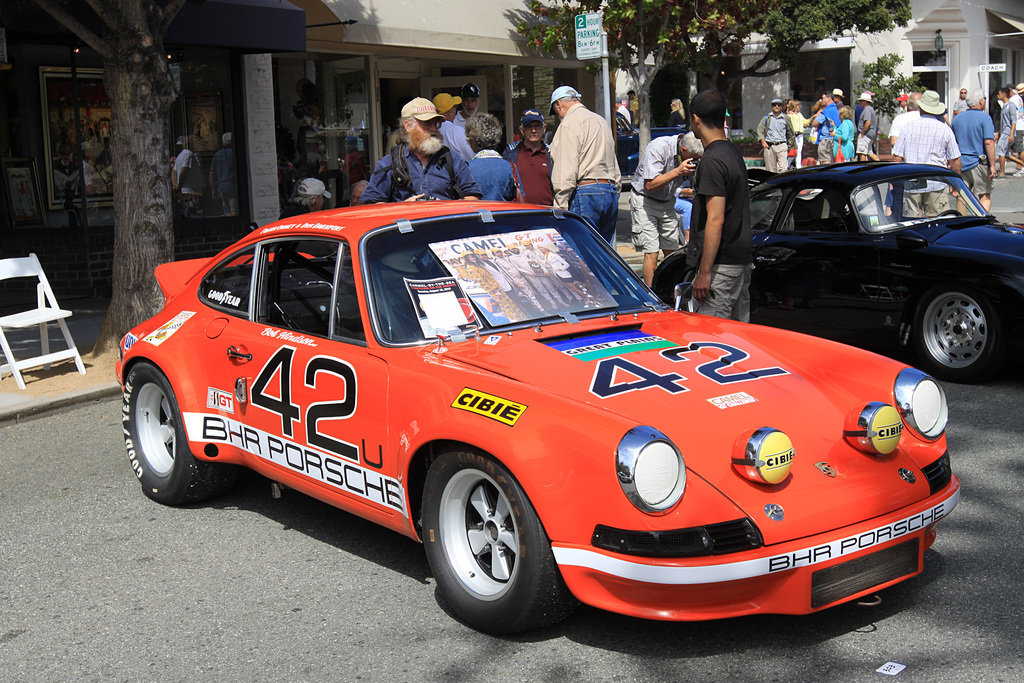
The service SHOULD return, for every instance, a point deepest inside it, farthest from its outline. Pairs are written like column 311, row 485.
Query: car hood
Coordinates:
column 997, row 237
column 728, row 380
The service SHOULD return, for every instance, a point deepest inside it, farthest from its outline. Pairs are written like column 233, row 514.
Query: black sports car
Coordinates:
column 884, row 256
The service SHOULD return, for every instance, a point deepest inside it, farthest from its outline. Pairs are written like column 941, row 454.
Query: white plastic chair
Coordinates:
column 46, row 311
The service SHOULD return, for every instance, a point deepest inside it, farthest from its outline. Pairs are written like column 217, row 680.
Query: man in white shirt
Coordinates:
column 470, row 96
column 454, row 136
column 1018, row 138
column 900, row 122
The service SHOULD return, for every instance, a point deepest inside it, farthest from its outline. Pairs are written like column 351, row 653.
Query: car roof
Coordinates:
column 353, row 222
column 853, row 174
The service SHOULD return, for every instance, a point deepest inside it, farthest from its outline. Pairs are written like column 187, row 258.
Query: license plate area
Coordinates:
column 846, row 579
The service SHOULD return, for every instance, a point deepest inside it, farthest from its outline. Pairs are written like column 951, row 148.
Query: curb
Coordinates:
column 17, row 412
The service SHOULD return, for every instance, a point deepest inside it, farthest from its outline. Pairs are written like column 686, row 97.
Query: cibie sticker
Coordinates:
column 220, row 400
column 500, row 409
column 732, row 400
column 164, row 332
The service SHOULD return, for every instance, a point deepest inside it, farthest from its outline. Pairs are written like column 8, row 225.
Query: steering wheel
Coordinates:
column 949, row 212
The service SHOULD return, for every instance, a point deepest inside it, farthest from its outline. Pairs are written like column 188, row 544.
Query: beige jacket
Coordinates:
column 583, row 149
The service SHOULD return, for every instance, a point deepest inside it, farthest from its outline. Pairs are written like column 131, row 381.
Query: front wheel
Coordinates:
column 958, row 336
column 487, row 549
column 154, row 437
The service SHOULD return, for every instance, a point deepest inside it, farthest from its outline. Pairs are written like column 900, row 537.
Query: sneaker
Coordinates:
column 1019, row 173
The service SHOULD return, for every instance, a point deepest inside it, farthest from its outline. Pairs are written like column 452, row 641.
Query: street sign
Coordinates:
column 588, row 36
column 983, row 68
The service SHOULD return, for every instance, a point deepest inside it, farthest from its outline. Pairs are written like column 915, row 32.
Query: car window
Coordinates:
column 763, row 208
column 227, row 286
column 457, row 276
column 901, row 202
column 818, row 210
column 298, row 284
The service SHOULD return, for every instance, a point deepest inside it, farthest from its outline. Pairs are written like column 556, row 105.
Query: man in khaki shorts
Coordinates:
column 974, row 133
column 652, row 199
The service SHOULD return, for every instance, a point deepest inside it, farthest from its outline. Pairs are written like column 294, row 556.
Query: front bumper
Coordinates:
column 786, row 578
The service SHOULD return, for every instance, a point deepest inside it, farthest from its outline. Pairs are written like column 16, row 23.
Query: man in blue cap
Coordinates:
column 584, row 172
column 531, row 158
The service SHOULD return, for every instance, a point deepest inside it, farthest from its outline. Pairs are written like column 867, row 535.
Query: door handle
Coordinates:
column 765, row 259
column 233, row 352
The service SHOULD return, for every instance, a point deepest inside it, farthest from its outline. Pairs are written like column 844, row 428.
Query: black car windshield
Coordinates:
column 458, row 275
column 901, row 202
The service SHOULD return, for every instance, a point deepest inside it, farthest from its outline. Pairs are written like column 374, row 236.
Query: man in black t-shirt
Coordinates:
column 719, row 249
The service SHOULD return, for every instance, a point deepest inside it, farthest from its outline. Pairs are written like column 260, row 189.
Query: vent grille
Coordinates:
column 854, row 576
column 713, row 539
column 938, row 473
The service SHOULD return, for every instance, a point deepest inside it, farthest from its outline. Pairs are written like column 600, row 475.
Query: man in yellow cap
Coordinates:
column 454, row 136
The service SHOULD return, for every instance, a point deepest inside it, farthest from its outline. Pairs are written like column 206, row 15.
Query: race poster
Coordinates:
column 523, row 276
column 441, row 306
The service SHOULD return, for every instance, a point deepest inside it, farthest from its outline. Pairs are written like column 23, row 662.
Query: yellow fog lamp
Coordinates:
column 874, row 429
column 767, row 456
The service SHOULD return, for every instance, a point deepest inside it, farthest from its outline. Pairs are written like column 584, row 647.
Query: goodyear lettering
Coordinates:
column 863, row 541
column 499, row 409
column 346, row 476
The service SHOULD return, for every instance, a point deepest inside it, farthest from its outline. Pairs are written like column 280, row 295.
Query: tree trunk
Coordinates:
column 141, row 94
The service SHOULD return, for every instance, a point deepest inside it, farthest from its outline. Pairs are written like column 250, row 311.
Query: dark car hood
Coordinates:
column 997, row 237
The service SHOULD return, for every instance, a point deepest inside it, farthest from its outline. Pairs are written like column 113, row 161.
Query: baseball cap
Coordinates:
column 837, row 92
column 312, row 187
column 444, row 102
column 776, row 101
column 470, row 90
column 903, row 98
column 531, row 115
column 181, row 141
column 563, row 91
column 422, row 109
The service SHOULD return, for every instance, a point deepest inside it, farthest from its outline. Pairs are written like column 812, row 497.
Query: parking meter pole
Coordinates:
column 607, row 83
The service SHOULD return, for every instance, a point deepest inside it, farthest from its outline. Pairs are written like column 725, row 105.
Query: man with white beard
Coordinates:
column 420, row 167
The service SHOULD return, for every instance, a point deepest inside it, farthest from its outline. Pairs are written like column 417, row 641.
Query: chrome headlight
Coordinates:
column 651, row 470
column 874, row 428
column 921, row 403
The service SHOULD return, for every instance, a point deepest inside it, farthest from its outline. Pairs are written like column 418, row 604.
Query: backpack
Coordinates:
column 400, row 176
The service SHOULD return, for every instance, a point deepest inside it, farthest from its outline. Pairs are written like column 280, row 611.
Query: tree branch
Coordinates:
column 55, row 10
column 105, row 13
column 167, row 14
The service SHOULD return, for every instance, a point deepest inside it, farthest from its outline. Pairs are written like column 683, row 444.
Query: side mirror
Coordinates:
column 683, row 293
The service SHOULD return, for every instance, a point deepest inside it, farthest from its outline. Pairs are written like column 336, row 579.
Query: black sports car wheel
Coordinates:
column 154, row 437
column 958, row 335
column 487, row 549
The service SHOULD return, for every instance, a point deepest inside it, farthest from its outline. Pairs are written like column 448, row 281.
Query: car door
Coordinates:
column 313, row 403
column 813, row 271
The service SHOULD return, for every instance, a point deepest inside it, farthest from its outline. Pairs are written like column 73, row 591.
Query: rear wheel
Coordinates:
column 487, row 549
column 154, row 437
column 958, row 335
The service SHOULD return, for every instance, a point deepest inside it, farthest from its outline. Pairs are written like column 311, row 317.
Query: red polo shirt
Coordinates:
column 535, row 175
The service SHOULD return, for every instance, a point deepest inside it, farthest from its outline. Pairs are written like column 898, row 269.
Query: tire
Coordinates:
column 154, row 437
column 958, row 336
column 487, row 549
column 671, row 272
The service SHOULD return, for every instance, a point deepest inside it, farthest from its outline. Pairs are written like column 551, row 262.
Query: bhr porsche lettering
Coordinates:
column 324, row 467
column 852, row 544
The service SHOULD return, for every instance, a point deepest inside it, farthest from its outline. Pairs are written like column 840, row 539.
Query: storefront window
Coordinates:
column 204, row 166
column 932, row 70
column 323, row 124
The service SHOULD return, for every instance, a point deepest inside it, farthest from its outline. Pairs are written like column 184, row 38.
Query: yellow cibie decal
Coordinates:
column 885, row 429
column 500, row 409
column 775, row 457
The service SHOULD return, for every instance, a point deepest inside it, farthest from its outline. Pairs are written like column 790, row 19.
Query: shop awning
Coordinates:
column 449, row 25
column 251, row 25
column 1002, row 24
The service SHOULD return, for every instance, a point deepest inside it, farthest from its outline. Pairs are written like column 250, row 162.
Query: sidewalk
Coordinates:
column 62, row 385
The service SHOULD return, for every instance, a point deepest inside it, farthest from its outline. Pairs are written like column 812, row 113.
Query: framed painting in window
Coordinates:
column 60, row 136
column 204, row 118
column 21, row 193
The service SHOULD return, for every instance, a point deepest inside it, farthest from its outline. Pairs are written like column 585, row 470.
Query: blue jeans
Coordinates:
column 599, row 203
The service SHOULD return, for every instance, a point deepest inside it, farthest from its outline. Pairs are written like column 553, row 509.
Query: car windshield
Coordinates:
column 460, row 275
column 902, row 202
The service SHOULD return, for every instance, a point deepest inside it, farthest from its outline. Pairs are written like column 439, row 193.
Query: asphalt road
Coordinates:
column 98, row 583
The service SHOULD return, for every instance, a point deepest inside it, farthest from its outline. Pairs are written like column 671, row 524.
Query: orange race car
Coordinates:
column 492, row 380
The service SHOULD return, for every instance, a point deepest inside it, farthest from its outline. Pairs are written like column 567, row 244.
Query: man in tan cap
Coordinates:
column 420, row 167
column 454, row 136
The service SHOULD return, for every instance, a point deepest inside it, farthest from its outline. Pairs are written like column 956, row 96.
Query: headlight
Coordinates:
column 651, row 470
column 921, row 402
column 767, row 456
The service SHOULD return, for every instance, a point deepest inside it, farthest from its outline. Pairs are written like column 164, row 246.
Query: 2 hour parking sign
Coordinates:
column 588, row 36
